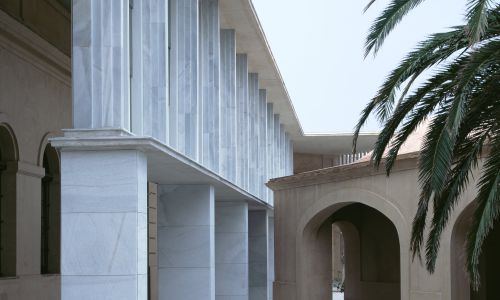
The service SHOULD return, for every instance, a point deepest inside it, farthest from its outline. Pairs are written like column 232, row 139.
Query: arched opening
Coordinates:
column 489, row 261
column 8, row 158
column 50, row 213
column 371, row 247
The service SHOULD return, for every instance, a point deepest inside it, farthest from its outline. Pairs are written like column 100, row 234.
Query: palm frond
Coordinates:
column 477, row 16
column 488, row 199
column 386, row 22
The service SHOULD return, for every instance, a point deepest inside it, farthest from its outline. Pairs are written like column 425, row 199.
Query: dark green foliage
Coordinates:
column 461, row 102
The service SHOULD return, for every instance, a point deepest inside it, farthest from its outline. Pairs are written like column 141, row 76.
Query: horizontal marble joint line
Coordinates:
column 101, row 275
column 103, row 212
column 183, row 268
column 183, row 226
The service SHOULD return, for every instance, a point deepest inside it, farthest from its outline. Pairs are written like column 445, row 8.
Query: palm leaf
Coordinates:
column 386, row 22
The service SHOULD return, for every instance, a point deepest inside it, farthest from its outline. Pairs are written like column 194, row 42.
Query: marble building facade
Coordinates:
column 136, row 138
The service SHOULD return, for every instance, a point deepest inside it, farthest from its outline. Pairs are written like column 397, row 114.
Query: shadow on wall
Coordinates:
column 489, row 261
column 371, row 247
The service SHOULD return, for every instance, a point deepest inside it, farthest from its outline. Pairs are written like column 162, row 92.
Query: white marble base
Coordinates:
column 231, row 250
column 257, row 257
column 103, row 239
column 186, row 242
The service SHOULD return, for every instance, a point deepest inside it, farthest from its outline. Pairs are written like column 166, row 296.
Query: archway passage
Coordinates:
column 8, row 157
column 489, row 261
column 50, row 213
column 371, row 248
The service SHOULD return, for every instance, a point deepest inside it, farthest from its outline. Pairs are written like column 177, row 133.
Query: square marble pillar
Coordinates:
column 104, row 225
column 270, row 257
column 186, row 242
column 258, row 254
column 231, row 250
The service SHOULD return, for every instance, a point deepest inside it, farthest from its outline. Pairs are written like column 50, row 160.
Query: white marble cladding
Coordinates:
column 270, row 257
column 258, row 254
column 243, row 122
column 253, row 146
column 184, row 77
column 231, row 250
column 149, row 68
column 104, row 225
column 228, row 117
column 209, row 74
column 186, row 242
column 100, row 58
column 188, row 86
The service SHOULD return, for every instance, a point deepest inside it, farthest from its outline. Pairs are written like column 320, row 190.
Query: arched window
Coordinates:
column 51, row 211
column 8, row 157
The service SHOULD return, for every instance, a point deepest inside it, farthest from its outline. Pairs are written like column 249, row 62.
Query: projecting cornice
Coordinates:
column 22, row 42
column 361, row 169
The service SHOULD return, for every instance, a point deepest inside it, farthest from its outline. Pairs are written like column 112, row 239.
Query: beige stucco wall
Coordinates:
column 35, row 103
column 303, row 203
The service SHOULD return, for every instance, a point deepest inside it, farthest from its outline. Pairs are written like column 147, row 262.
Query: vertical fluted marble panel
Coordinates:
column 228, row 104
column 290, row 156
column 231, row 250
column 155, row 68
column 209, row 85
column 282, row 150
column 242, row 107
column 262, row 143
column 149, row 66
column 186, row 242
column 287, row 154
column 100, row 58
column 253, row 160
column 276, row 146
column 270, row 148
column 258, row 254
column 184, row 110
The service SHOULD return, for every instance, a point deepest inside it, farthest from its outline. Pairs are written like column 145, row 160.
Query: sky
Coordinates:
column 318, row 46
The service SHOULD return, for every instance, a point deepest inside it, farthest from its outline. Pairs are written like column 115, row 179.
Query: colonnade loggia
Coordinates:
column 148, row 77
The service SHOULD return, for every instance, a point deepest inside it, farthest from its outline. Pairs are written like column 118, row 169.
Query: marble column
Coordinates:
column 270, row 149
column 228, row 105
column 257, row 254
column 184, row 73
column 231, row 250
column 287, row 154
column 243, row 123
column 276, row 145
column 262, row 144
column 209, row 85
column 281, row 149
column 100, row 57
column 270, row 257
column 103, row 225
column 149, row 69
column 253, row 154
column 186, row 242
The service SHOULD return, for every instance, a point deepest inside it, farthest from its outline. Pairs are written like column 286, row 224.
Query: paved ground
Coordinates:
column 338, row 296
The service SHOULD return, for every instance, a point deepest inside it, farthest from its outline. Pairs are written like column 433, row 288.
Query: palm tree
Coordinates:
column 462, row 101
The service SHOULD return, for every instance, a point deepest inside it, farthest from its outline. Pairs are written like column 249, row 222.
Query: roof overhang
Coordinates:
column 250, row 39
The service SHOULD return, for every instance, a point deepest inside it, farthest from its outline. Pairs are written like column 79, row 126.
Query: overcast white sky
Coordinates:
column 318, row 45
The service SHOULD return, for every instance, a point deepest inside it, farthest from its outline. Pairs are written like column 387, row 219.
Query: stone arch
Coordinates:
column 8, row 143
column 43, row 146
column 9, row 155
column 311, row 226
column 460, row 287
